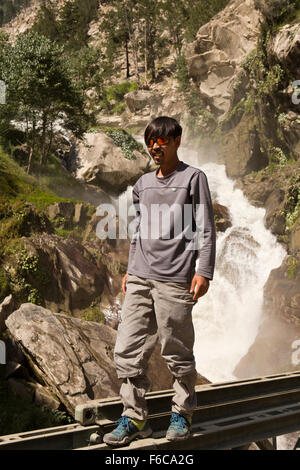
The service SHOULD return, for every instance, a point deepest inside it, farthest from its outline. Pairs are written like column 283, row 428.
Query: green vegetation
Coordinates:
column 17, row 187
column 92, row 313
column 292, row 206
column 68, row 24
column 268, row 78
column 202, row 12
column 23, row 200
column 264, row 102
column 293, row 265
column 127, row 27
column 39, row 92
column 122, row 139
column 10, row 8
column 113, row 96
column 278, row 12
column 21, row 415
column 200, row 120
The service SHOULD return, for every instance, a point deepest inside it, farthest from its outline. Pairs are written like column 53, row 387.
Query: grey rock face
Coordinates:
column 286, row 46
column 74, row 358
column 215, row 57
column 70, row 277
column 100, row 162
column 6, row 308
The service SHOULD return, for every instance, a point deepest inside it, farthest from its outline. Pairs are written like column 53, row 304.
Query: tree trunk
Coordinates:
column 127, row 59
column 146, row 52
column 29, row 166
column 49, row 144
column 132, row 40
column 28, row 170
column 151, row 51
column 44, row 138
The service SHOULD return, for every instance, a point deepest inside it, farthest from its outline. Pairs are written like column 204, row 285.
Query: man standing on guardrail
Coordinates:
column 162, row 283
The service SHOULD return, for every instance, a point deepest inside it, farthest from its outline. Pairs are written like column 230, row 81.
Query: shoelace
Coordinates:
column 178, row 418
column 125, row 422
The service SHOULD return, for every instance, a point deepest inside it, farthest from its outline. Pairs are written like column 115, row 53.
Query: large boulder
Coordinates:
column 67, row 276
column 222, row 217
column 74, row 358
column 215, row 57
column 100, row 162
column 286, row 47
column 242, row 149
column 144, row 101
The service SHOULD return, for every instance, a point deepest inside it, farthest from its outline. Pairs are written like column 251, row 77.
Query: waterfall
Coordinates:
column 227, row 318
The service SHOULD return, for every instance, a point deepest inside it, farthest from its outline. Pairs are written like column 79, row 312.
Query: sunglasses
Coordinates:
column 158, row 140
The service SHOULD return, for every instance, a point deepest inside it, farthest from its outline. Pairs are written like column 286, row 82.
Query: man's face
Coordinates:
column 165, row 153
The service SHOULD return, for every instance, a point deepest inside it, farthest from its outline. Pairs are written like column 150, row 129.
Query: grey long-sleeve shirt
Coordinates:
column 174, row 223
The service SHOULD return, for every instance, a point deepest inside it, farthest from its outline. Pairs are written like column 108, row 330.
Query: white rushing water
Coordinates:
column 227, row 317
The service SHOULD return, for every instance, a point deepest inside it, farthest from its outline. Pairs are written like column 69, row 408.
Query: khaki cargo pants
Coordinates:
column 151, row 307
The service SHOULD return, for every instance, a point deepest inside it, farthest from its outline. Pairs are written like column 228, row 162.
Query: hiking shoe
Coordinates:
column 179, row 429
column 127, row 430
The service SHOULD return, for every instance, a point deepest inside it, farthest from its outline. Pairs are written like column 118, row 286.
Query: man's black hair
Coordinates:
column 163, row 126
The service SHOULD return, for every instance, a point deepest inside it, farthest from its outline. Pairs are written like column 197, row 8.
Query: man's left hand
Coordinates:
column 199, row 286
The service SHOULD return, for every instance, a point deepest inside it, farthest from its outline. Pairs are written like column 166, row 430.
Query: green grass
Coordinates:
column 17, row 185
column 113, row 96
column 58, row 180
column 20, row 191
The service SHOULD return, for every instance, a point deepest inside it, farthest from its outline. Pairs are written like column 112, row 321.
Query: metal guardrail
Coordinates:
column 229, row 415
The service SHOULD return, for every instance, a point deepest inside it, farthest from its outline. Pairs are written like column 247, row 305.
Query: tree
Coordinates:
column 175, row 15
column 74, row 20
column 149, row 20
column 132, row 26
column 199, row 13
column 67, row 24
column 46, row 22
column 117, row 37
column 10, row 8
column 41, row 91
column 275, row 10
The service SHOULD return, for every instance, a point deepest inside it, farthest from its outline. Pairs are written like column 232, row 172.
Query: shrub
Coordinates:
column 275, row 11
column 113, row 96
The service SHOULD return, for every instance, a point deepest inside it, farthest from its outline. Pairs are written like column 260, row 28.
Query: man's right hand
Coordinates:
column 124, row 283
